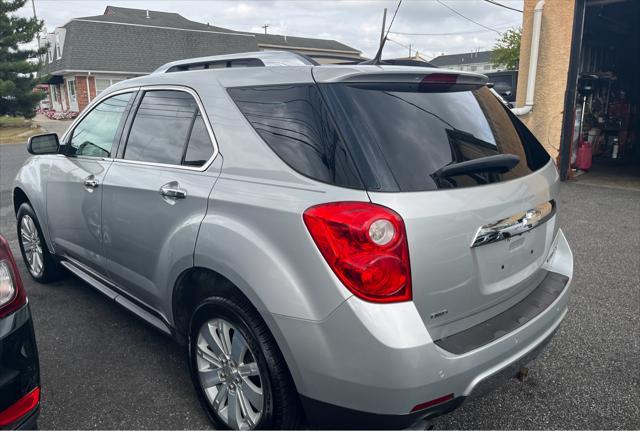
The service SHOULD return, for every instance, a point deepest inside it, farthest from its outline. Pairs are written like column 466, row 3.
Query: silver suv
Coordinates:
column 347, row 246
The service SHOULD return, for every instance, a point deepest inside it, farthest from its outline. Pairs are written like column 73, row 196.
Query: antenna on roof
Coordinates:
column 384, row 24
column 378, row 57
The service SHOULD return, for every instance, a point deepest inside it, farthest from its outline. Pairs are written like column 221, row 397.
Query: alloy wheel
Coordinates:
column 31, row 245
column 229, row 374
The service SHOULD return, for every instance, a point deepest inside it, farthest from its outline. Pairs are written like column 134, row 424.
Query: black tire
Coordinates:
column 51, row 269
column 281, row 409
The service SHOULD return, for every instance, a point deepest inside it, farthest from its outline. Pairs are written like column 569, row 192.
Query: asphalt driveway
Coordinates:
column 103, row 368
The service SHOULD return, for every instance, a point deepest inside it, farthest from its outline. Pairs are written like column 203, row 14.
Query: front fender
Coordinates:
column 32, row 181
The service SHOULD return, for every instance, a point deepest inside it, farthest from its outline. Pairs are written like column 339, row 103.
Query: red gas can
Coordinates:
column 583, row 160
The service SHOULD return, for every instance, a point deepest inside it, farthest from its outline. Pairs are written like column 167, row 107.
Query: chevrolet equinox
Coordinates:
column 357, row 246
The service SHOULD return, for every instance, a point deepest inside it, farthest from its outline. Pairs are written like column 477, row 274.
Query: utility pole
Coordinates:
column 33, row 5
column 384, row 23
column 266, row 26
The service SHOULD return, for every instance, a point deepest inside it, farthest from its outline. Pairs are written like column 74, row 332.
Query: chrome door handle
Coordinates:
column 91, row 182
column 174, row 192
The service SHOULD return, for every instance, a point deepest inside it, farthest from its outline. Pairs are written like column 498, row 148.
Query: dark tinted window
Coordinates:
column 96, row 132
column 199, row 149
column 408, row 135
column 295, row 123
column 161, row 126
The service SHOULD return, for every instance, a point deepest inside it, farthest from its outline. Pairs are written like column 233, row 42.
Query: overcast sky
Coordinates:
column 355, row 23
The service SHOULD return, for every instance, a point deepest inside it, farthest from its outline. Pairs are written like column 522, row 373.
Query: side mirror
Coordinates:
column 43, row 144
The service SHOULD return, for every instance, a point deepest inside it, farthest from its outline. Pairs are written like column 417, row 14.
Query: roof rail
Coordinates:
column 245, row 59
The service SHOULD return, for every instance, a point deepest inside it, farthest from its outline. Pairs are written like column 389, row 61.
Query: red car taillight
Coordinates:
column 366, row 247
column 12, row 294
column 20, row 408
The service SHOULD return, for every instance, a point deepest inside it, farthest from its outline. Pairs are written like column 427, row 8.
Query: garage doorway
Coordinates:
column 606, row 140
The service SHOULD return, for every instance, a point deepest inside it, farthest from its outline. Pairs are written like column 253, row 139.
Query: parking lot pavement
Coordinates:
column 103, row 368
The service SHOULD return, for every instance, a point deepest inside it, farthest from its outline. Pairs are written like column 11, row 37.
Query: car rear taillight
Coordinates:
column 12, row 294
column 20, row 408
column 366, row 247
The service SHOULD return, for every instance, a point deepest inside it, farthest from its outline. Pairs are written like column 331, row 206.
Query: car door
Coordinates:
column 74, row 192
column 156, row 193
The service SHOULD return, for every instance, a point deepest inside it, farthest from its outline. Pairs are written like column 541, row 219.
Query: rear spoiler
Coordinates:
column 396, row 75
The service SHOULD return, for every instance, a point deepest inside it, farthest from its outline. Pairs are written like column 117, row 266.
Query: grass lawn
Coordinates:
column 16, row 130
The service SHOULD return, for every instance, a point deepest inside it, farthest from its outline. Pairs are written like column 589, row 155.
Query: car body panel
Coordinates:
column 31, row 179
column 149, row 239
column 74, row 211
column 380, row 358
column 456, row 286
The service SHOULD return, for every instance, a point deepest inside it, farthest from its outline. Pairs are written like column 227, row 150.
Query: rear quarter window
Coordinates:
column 294, row 121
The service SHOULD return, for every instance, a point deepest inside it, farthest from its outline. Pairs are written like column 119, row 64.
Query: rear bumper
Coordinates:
column 380, row 360
column 330, row 416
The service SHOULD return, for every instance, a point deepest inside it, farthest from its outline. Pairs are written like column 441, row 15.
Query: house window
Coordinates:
column 487, row 67
column 473, row 68
column 104, row 83
column 73, row 101
column 58, row 48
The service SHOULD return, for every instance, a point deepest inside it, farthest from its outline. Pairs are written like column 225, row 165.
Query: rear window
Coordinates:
column 388, row 137
column 409, row 135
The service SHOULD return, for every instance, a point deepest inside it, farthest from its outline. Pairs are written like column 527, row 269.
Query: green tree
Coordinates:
column 506, row 52
column 18, row 64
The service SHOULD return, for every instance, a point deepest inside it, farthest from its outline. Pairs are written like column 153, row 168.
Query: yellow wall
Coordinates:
column 545, row 120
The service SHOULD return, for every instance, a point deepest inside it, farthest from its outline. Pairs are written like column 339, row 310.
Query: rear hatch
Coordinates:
column 438, row 148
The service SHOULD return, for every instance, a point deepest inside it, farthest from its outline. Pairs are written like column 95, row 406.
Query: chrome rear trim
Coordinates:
column 516, row 224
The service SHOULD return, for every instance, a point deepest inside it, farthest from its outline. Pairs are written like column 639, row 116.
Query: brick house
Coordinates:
column 87, row 55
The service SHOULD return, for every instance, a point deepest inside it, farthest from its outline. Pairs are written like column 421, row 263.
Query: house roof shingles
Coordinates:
column 300, row 42
column 465, row 58
column 103, row 43
column 109, row 47
column 156, row 19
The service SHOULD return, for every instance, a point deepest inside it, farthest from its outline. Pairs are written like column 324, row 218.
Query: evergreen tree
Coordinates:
column 17, row 63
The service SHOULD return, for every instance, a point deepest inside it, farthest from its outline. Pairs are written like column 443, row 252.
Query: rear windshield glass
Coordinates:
column 389, row 137
column 408, row 136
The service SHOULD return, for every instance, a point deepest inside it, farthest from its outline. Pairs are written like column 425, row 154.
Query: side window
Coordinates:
column 165, row 122
column 295, row 123
column 95, row 134
column 199, row 149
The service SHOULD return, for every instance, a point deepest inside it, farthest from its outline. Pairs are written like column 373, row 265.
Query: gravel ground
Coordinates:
column 103, row 368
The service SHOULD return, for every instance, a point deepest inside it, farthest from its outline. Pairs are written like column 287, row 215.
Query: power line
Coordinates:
column 393, row 18
column 495, row 3
column 467, row 18
column 452, row 33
